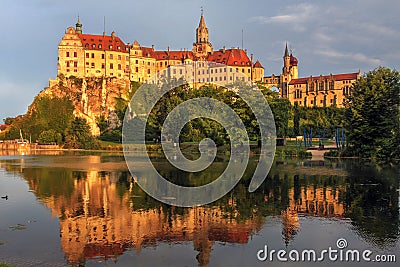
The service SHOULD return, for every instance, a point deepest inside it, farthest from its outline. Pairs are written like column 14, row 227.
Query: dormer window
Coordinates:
column 119, row 48
column 110, row 47
column 93, row 46
column 100, row 46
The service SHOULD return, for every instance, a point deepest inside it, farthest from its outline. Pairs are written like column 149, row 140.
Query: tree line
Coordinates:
column 371, row 118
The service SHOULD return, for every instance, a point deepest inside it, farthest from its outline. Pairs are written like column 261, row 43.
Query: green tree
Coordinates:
column 372, row 116
column 78, row 135
column 49, row 137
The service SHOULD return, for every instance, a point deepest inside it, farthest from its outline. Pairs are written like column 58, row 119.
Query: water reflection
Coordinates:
column 103, row 212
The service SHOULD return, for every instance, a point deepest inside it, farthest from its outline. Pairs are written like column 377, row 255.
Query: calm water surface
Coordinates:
column 77, row 209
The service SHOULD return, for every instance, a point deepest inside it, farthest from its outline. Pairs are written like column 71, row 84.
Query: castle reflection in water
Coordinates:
column 104, row 213
column 98, row 220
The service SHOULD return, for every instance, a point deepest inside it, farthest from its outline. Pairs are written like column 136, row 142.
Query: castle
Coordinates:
column 87, row 55
column 317, row 91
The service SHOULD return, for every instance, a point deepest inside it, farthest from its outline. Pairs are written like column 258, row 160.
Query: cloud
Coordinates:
column 295, row 15
column 359, row 57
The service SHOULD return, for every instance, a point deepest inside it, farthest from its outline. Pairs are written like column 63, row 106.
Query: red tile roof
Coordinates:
column 336, row 77
column 172, row 55
column 257, row 65
column 230, row 57
column 101, row 42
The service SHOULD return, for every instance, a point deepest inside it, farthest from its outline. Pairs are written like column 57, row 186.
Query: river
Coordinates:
column 85, row 209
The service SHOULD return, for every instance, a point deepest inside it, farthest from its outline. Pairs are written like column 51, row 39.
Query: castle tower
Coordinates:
column 294, row 70
column 202, row 46
column 286, row 62
column 78, row 27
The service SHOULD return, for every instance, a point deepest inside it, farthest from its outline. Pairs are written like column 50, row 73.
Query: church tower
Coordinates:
column 202, row 47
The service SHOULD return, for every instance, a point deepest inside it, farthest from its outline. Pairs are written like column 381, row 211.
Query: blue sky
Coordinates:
column 326, row 36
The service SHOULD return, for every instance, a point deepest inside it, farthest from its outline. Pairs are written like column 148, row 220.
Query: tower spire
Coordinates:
column 202, row 46
column 286, row 51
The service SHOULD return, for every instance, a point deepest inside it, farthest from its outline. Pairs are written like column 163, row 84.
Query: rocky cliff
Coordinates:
column 92, row 97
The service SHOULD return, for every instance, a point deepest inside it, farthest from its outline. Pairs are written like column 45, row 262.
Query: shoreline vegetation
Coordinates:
column 369, row 122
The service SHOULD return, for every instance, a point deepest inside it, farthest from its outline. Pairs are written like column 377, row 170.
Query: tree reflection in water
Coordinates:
column 104, row 212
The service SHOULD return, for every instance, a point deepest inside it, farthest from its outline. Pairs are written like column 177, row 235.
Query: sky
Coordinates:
column 326, row 36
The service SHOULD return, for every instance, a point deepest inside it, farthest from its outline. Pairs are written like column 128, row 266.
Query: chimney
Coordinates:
column 152, row 47
column 223, row 50
column 113, row 35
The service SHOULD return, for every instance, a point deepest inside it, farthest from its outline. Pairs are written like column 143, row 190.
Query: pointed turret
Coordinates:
column 286, row 51
column 202, row 23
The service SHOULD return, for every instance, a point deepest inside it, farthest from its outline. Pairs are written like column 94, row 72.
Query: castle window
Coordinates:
column 111, row 66
column 248, row 70
column 119, row 67
column 92, row 55
column 126, row 58
column 137, row 62
column 148, row 71
column 321, row 86
column 103, row 65
column 102, row 56
column 92, row 65
column 243, row 70
column 75, row 54
column 75, row 64
column 111, row 56
column 331, row 85
column 137, row 69
column 119, row 57
column 180, row 71
column 67, row 54
column 224, row 69
column 67, row 64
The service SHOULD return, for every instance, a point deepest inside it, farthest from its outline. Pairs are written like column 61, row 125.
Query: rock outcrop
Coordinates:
column 91, row 97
